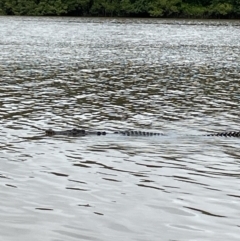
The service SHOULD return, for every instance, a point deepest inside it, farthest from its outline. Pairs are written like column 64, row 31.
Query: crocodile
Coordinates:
column 82, row 132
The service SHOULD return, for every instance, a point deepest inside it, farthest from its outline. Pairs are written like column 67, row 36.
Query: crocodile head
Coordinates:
column 50, row 132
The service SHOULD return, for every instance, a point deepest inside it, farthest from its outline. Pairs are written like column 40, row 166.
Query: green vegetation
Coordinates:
column 123, row 8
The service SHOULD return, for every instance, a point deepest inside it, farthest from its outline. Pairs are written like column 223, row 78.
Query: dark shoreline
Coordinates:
column 178, row 9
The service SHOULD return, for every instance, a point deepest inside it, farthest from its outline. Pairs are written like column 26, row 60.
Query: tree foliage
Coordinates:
column 160, row 8
column 121, row 8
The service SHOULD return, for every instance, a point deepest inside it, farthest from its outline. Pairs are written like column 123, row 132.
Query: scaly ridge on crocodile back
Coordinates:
column 138, row 133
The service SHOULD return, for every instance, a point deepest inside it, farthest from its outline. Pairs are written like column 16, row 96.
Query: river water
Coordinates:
column 179, row 77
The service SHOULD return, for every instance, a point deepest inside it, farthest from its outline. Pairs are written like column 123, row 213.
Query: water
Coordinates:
column 179, row 77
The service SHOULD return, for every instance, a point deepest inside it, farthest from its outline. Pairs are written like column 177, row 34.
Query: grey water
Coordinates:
column 179, row 77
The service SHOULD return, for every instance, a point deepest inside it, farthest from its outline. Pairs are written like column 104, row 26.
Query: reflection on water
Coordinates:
column 176, row 77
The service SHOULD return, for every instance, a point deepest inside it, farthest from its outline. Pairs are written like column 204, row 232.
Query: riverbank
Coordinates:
column 126, row 8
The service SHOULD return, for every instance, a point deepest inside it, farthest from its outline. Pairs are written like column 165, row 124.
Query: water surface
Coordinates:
column 179, row 77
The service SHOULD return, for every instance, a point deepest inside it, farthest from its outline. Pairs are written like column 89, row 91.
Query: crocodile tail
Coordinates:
column 226, row 134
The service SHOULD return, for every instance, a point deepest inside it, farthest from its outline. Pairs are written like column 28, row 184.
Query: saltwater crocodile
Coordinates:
column 81, row 132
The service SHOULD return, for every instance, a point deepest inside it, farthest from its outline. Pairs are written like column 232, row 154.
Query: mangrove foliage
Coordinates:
column 123, row 8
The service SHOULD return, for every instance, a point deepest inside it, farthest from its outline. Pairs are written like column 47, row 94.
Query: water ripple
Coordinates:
column 178, row 77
